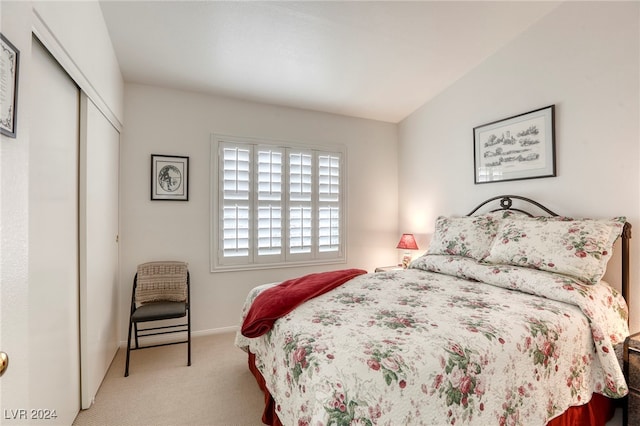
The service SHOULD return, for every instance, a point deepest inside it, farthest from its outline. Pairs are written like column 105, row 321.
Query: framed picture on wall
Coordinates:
column 517, row 147
column 9, row 61
column 169, row 177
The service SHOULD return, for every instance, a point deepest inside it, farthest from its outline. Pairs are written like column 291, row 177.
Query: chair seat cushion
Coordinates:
column 159, row 310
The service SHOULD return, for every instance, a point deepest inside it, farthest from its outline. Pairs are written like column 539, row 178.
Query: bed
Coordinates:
column 504, row 320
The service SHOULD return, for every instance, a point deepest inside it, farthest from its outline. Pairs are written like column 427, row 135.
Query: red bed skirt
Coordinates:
column 596, row 413
column 269, row 416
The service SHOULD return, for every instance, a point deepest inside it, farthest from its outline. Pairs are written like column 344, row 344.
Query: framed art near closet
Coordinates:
column 169, row 177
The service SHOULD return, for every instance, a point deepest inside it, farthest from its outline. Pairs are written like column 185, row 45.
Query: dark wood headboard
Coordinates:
column 506, row 203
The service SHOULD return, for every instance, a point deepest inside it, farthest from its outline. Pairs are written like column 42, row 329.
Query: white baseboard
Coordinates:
column 154, row 340
column 211, row 331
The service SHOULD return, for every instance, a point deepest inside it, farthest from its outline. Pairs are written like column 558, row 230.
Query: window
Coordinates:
column 275, row 204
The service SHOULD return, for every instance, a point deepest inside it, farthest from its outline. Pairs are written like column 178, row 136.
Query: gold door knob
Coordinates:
column 4, row 363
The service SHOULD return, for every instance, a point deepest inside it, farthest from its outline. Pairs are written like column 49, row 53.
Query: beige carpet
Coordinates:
column 217, row 389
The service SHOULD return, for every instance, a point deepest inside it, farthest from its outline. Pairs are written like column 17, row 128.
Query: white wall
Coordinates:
column 163, row 121
column 583, row 58
column 14, row 217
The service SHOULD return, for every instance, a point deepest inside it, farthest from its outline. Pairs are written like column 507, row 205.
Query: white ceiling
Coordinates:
column 369, row 59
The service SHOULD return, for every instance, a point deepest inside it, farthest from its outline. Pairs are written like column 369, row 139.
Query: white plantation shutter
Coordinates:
column 277, row 205
column 235, row 219
column 300, row 202
column 269, row 190
column 236, row 231
column 328, row 203
column 300, row 232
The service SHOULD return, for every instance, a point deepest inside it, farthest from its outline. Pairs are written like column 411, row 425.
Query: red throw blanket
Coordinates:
column 278, row 301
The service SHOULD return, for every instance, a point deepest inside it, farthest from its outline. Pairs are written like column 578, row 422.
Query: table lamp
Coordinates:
column 407, row 242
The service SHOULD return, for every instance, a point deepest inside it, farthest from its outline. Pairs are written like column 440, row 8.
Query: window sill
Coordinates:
column 255, row 267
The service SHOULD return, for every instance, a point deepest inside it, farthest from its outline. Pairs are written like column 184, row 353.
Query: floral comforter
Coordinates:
column 448, row 341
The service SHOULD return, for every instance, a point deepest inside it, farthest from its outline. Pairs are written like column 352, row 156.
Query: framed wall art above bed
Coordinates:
column 504, row 320
column 517, row 147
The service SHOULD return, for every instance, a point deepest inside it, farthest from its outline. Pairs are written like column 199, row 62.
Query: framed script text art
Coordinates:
column 169, row 177
column 518, row 147
column 9, row 61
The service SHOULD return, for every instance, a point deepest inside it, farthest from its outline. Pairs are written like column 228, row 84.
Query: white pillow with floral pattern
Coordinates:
column 579, row 248
column 469, row 236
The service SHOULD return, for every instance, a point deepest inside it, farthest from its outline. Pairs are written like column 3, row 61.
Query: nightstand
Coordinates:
column 631, row 413
column 389, row 268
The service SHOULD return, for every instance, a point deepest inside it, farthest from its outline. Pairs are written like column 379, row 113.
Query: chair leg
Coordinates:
column 189, row 350
column 189, row 337
column 126, row 368
column 135, row 329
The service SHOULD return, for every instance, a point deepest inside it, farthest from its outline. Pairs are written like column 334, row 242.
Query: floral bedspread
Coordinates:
column 448, row 341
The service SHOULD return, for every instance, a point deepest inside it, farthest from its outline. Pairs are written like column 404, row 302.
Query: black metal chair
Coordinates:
column 161, row 291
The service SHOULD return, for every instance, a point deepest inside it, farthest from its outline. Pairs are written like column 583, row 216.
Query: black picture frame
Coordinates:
column 169, row 177
column 9, row 73
column 518, row 147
